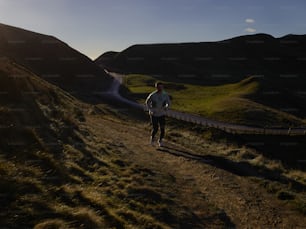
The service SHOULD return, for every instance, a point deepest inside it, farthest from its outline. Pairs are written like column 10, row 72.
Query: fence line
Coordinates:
column 234, row 128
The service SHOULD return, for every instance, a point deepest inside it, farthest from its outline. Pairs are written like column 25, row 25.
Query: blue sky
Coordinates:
column 96, row 26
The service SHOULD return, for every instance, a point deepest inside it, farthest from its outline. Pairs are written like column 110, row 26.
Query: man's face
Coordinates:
column 160, row 87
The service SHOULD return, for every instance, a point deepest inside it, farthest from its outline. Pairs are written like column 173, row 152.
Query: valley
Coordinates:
column 75, row 152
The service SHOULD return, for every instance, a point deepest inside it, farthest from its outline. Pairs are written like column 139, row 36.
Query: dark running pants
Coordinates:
column 156, row 123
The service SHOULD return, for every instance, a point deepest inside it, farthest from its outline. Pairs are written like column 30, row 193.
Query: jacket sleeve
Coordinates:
column 168, row 101
column 149, row 102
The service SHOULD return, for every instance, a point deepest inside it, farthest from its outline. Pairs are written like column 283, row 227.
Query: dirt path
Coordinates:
column 245, row 202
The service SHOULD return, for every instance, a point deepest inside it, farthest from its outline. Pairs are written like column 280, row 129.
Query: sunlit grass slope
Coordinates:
column 229, row 102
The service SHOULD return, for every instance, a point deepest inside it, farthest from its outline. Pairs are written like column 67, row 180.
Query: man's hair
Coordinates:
column 158, row 84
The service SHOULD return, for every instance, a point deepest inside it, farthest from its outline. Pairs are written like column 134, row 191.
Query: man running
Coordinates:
column 157, row 103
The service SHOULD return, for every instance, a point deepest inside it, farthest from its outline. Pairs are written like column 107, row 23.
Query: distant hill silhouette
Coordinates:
column 279, row 63
column 54, row 61
column 216, row 62
column 106, row 58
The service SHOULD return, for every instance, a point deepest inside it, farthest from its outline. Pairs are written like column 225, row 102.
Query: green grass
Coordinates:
column 187, row 97
column 229, row 102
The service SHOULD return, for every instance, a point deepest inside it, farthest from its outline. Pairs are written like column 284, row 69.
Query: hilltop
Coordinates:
column 54, row 61
column 218, row 62
column 106, row 58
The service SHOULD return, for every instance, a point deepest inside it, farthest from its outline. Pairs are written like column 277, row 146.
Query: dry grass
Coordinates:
column 52, row 223
column 286, row 182
column 297, row 175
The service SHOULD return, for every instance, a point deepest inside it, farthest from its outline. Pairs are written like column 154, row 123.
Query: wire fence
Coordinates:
column 233, row 128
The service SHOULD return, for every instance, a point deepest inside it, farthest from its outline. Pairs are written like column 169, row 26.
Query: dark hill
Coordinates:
column 54, row 61
column 106, row 58
column 217, row 62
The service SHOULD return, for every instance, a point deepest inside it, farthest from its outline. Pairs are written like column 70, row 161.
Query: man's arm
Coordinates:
column 168, row 101
column 149, row 102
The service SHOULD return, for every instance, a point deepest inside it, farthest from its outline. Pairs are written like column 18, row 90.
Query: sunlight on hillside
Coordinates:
column 229, row 102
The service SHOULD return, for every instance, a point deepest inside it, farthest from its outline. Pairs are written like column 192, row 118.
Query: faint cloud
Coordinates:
column 250, row 30
column 250, row 20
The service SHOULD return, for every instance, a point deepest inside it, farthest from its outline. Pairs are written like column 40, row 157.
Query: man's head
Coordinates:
column 159, row 86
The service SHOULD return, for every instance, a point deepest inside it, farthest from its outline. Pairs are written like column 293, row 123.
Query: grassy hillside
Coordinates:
column 54, row 61
column 230, row 102
column 40, row 139
column 56, row 173
column 50, row 165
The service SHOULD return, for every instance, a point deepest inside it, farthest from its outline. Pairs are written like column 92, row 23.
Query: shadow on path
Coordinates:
column 238, row 168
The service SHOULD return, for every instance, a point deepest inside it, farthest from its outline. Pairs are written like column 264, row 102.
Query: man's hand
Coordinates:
column 151, row 112
column 166, row 107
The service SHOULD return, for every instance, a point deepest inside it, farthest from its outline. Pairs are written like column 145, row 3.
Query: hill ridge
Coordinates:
column 54, row 61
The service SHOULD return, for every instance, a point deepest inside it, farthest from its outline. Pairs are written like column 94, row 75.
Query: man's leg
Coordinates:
column 154, row 122
column 162, row 124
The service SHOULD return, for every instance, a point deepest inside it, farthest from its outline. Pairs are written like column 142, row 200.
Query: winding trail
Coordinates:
column 227, row 127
